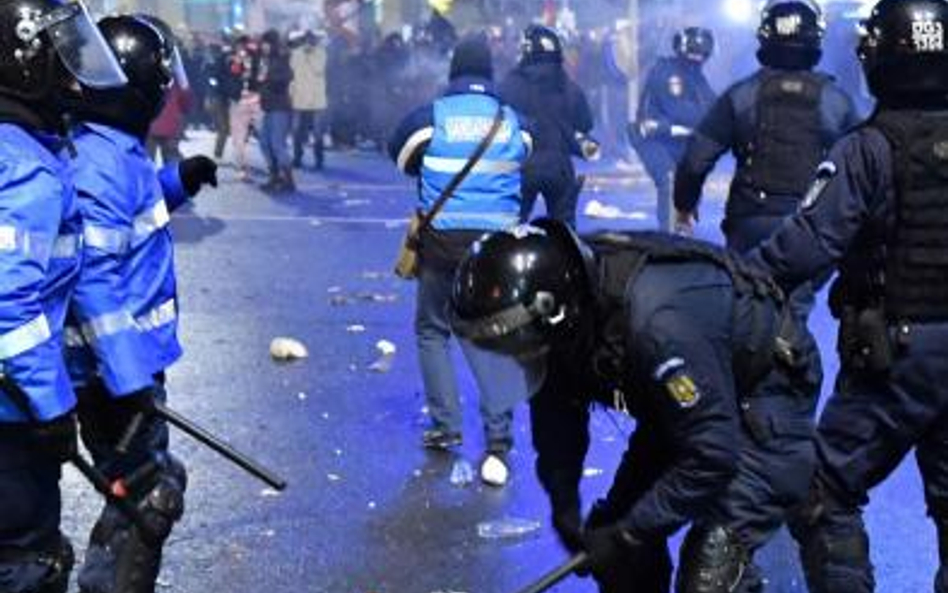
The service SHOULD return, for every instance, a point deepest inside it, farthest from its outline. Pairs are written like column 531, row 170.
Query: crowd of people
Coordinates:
column 707, row 348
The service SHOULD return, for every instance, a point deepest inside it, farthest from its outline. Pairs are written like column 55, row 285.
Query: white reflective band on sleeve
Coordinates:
column 449, row 165
column 37, row 246
column 163, row 314
column 26, row 337
column 106, row 239
column 151, row 220
column 107, row 325
column 66, row 247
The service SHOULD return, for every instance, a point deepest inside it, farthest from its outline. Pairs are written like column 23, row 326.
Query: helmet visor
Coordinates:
column 81, row 47
column 176, row 70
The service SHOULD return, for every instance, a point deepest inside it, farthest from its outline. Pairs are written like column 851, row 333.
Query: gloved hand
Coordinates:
column 123, row 409
column 196, row 172
column 606, row 547
column 57, row 439
column 569, row 528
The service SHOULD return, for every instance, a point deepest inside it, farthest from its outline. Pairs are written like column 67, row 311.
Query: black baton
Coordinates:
column 557, row 574
column 236, row 457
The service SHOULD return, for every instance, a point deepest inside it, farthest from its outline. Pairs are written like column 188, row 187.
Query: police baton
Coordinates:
column 219, row 446
column 557, row 574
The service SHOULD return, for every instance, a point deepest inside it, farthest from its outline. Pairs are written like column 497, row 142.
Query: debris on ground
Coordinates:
column 287, row 349
column 494, row 471
column 596, row 209
column 333, row 477
column 462, row 474
column 374, row 275
column 269, row 493
column 507, row 528
column 387, row 358
column 355, row 328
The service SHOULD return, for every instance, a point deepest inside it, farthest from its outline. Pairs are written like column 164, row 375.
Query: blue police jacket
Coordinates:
column 676, row 93
column 732, row 124
column 125, row 308
column 437, row 140
column 39, row 262
column 814, row 240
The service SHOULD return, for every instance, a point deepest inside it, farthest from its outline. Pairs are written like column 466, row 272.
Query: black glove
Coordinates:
column 196, row 172
column 122, row 410
column 606, row 547
column 569, row 528
column 57, row 439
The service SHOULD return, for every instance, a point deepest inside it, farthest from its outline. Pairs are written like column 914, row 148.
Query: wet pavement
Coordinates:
column 368, row 510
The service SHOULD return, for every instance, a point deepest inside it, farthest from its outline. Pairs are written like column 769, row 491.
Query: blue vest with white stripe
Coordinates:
column 39, row 258
column 489, row 197
column 123, row 318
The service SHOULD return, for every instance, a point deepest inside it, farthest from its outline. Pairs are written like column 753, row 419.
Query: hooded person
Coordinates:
column 434, row 143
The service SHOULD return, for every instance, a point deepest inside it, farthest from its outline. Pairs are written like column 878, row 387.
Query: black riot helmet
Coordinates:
column 903, row 51
column 694, row 43
column 541, row 44
column 148, row 59
column 791, row 34
column 520, row 291
column 47, row 44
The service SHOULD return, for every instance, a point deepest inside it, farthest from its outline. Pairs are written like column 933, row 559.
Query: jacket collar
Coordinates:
column 465, row 85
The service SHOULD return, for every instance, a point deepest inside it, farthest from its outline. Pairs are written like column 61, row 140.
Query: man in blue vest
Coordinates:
column 123, row 317
column 42, row 41
column 434, row 143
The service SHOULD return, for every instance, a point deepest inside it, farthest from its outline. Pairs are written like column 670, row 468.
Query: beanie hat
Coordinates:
column 472, row 57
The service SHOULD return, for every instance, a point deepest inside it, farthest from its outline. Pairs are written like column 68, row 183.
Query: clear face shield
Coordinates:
column 175, row 68
column 81, row 47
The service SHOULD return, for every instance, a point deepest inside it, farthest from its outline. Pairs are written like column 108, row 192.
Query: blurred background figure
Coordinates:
column 308, row 95
column 245, row 113
column 675, row 98
column 274, row 79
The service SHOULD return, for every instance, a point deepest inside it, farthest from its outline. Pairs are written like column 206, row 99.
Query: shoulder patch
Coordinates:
column 681, row 387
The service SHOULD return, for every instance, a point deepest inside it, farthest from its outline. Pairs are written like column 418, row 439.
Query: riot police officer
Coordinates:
column 675, row 98
column 541, row 90
column 48, row 46
column 879, row 212
column 676, row 333
column 123, row 316
column 779, row 123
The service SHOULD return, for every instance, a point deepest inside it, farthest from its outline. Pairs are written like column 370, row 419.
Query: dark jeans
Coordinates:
column 166, row 147
column 499, row 379
column 307, row 123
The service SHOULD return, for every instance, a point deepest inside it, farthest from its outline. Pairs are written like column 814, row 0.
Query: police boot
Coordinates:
column 713, row 560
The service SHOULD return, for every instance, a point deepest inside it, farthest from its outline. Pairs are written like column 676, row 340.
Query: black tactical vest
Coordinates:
column 788, row 142
column 916, row 241
column 620, row 259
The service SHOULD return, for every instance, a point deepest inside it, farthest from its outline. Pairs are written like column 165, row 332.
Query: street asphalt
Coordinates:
column 367, row 509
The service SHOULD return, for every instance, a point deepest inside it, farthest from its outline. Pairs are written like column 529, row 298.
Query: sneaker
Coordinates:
column 494, row 470
column 442, row 440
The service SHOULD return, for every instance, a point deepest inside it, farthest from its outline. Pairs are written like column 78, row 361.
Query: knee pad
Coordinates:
column 712, row 560
column 163, row 504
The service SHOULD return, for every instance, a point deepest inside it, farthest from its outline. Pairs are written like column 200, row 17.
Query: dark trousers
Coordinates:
column 30, row 504
column 551, row 175
column 220, row 118
column 306, row 124
column 166, row 147
column 867, row 428
column 660, row 158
